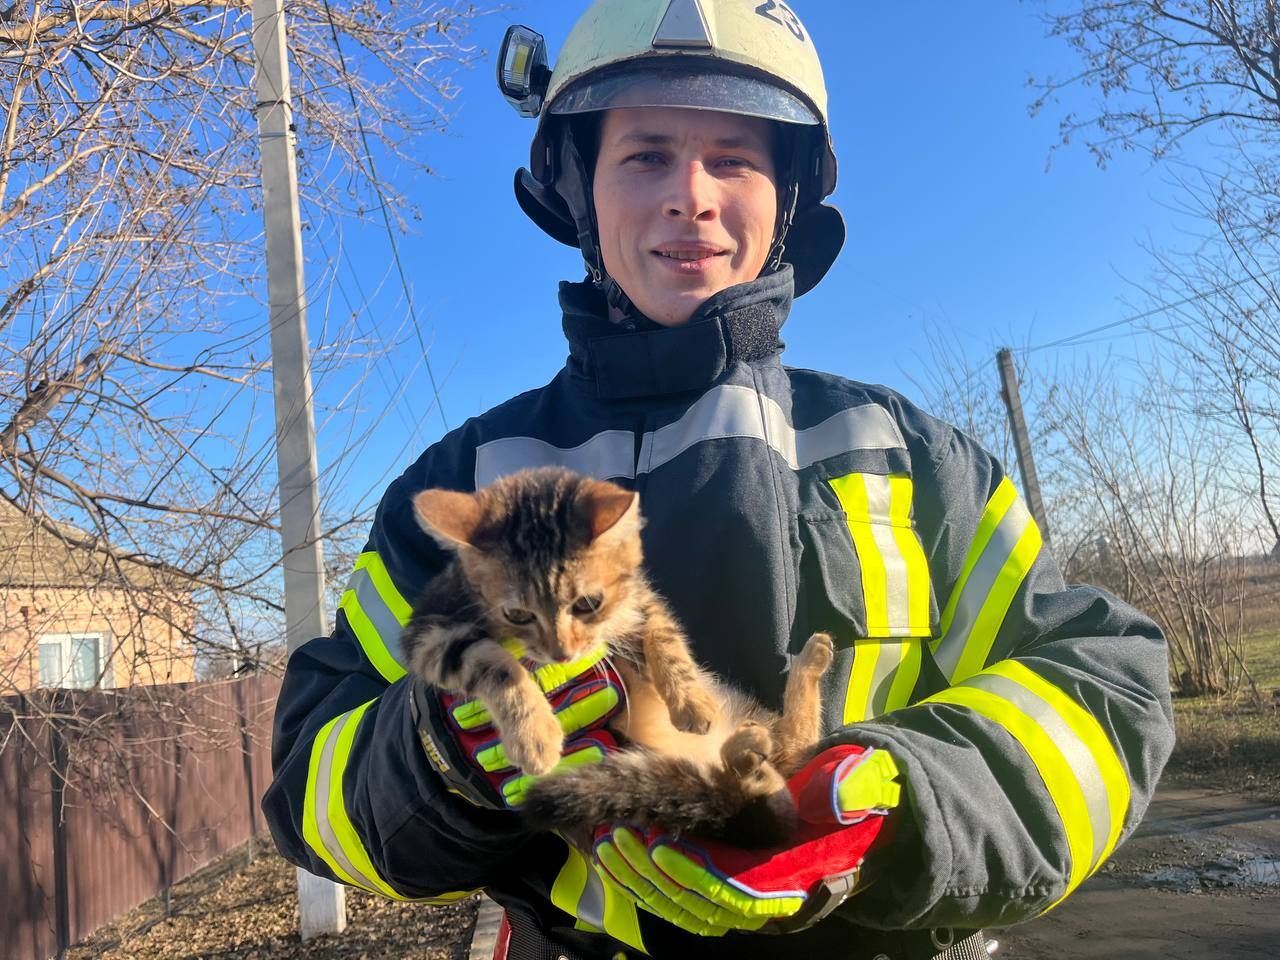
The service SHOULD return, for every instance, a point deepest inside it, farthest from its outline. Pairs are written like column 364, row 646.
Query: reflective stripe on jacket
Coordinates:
column 1031, row 719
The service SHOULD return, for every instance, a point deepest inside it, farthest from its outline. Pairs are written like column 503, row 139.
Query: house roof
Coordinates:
column 37, row 552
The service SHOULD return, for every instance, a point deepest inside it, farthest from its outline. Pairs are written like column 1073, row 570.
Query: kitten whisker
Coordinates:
column 626, row 695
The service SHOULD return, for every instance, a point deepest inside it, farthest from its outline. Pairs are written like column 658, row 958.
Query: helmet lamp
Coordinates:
column 523, row 73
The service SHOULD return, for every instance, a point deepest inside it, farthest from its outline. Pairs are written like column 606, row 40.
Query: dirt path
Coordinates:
column 1200, row 880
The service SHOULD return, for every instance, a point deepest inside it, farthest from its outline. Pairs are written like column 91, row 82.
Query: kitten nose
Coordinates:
column 557, row 652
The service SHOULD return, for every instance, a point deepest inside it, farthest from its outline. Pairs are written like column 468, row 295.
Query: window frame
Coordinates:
column 102, row 673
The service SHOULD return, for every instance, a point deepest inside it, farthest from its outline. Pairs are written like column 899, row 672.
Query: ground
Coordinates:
column 1199, row 881
column 241, row 910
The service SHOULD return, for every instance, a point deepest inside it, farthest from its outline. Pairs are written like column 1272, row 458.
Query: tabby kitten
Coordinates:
column 554, row 560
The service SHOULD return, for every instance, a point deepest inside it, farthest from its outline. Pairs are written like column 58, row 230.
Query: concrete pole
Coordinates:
column 1021, row 440
column 322, row 903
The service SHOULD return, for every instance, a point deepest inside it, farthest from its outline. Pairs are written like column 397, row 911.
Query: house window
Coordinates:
column 73, row 660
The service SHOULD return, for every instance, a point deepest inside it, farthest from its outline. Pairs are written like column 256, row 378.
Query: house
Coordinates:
column 74, row 613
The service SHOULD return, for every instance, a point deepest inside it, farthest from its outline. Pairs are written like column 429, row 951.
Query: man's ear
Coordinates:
column 606, row 506
column 454, row 519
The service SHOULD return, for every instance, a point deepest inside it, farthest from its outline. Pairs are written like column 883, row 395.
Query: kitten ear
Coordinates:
column 452, row 518
column 606, row 505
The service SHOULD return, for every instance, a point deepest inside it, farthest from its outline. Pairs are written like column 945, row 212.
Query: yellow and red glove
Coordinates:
column 844, row 797
column 465, row 748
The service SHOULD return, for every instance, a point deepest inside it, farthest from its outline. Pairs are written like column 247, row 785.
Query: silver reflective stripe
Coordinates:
column 375, row 608
column 591, row 903
column 897, row 579
column 324, row 773
column 868, row 427
column 1074, row 750
column 722, row 413
column 729, row 412
column 888, row 659
column 605, row 456
column 719, row 414
column 978, row 586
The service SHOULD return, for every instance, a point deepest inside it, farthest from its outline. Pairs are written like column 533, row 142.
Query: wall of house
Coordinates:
column 147, row 646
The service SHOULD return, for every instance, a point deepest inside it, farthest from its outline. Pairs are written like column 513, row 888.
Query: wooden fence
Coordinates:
column 111, row 797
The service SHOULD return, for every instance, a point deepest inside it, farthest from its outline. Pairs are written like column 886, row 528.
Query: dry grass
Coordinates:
column 1234, row 743
column 234, row 911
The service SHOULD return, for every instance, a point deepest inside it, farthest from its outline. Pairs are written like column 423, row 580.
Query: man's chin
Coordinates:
column 676, row 311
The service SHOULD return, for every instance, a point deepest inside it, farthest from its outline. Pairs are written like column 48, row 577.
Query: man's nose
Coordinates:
column 692, row 195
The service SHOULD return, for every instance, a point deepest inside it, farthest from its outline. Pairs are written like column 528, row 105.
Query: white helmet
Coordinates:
column 735, row 56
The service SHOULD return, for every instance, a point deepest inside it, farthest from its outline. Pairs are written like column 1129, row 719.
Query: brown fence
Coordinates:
column 110, row 797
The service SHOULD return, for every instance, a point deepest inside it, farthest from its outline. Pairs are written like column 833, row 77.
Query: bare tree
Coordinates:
column 135, row 412
column 1164, row 71
column 1140, row 509
column 962, row 391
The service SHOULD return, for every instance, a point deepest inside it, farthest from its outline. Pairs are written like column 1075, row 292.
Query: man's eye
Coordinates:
column 588, row 604
column 646, row 158
column 517, row 616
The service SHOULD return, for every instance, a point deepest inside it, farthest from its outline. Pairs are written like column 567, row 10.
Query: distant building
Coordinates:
column 73, row 615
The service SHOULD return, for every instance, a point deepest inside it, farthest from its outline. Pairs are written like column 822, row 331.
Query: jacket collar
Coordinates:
column 741, row 323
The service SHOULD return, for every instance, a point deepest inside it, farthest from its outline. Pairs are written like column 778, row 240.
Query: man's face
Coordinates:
column 686, row 202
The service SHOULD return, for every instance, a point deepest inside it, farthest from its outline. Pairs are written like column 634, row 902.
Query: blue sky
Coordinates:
column 959, row 218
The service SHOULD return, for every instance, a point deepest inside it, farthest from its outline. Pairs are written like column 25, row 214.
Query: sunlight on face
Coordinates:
column 686, row 203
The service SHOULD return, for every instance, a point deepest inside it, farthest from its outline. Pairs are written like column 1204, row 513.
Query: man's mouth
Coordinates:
column 688, row 256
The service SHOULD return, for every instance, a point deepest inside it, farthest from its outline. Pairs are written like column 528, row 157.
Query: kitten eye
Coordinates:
column 588, row 604
column 517, row 616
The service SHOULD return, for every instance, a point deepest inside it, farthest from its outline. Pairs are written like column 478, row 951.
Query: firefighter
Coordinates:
column 991, row 734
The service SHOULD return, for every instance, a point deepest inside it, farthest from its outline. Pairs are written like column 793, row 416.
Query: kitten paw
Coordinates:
column 694, row 713
column 818, row 653
column 537, row 746
column 747, row 748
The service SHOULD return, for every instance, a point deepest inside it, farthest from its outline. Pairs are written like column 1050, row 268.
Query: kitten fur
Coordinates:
column 554, row 560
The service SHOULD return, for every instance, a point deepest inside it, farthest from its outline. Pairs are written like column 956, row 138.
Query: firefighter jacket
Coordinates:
column 1031, row 719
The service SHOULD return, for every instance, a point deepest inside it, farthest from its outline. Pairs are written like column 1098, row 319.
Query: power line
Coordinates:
column 1138, row 316
column 382, row 206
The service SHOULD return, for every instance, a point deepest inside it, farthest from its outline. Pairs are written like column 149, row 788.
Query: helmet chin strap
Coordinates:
column 573, row 183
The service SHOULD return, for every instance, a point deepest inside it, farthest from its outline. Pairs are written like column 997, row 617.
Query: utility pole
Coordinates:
column 1021, row 439
column 321, row 902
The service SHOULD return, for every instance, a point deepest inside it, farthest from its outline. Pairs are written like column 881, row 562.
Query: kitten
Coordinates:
column 554, row 561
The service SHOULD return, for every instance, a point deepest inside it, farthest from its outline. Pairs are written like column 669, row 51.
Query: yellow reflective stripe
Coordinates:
column 621, row 921
column 310, row 824
column 378, row 618
column 851, row 490
column 883, row 675
column 1003, row 552
column 343, row 830
column 1055, row 772
column 995, row 510
column 371, row 562
column 891, row 560
column 857, row 697
column 912, row 553
column 906, row 675
column 567, row 889
column 325, row 825
column 895, row 589
column 595, row 902
column 983, row 635
column 1091, row 733
column 367, row 635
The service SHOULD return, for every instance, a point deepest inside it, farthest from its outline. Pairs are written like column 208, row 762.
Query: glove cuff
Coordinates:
column 431, row 717
column 846, row 784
